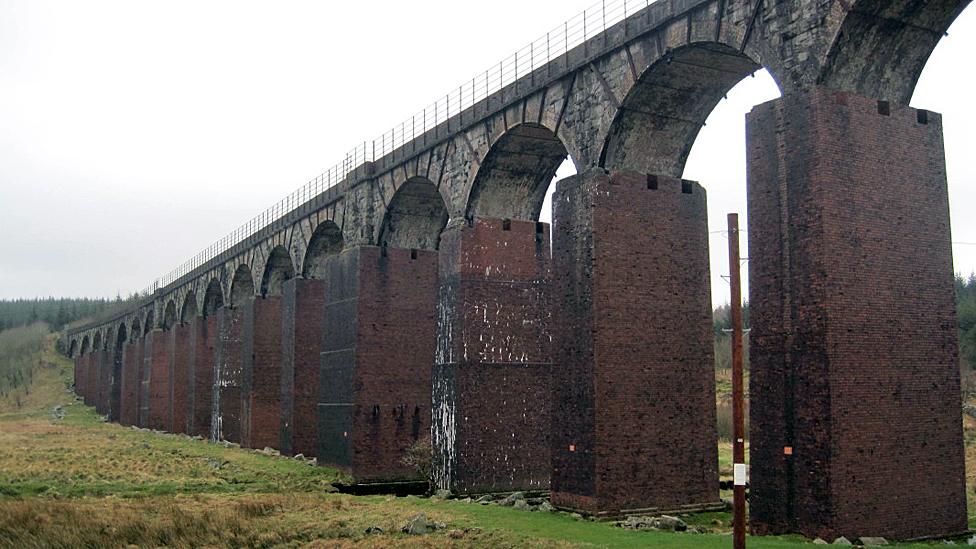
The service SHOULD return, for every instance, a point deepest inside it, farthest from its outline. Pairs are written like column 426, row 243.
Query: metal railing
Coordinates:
column 550, row 47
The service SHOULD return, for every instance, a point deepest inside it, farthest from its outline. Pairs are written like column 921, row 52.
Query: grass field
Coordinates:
column 80, row 482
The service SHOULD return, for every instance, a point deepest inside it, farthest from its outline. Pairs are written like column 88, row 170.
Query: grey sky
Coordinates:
column 133, row 134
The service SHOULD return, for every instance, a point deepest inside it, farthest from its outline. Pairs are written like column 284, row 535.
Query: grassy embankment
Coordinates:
column 80, row 482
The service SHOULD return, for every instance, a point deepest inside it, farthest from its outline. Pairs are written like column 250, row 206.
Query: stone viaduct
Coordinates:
column 420, row 296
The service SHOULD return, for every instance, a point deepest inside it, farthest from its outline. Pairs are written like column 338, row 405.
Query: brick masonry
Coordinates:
column 159, row 380
column 376, row 361
column 103, row 377
column 491, row 388
column 201, row 380
column 115, row 384
column 634, row 392
column 129, row 400
column 228, row 376
column 853, row 348
column 179, row 381
column 261, row 404
column 302, row 333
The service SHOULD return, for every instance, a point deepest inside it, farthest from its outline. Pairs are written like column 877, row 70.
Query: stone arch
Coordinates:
column 121, row 335
column 136, row 330
column 513, row 177
column 85, row 345
column 169, row 315
column 150, row 322
column 882, row 46
column 326, row 241
column 73, row 348
column 115, row 383
column 97, row 341
column 242, row 286
column 660, row 117
column 277, row 270
column 415, row 217
column 189, row 308
column 213, row 298
column 109, row 341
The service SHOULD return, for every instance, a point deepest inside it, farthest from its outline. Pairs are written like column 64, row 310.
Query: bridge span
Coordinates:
column 411, row 294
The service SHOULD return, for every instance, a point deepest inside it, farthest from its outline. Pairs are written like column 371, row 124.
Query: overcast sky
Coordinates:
column 135, row 133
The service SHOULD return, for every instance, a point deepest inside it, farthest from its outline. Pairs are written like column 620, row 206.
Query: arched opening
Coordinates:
column 97, row 342
column 242, row 286
column 149, row 323
column 169, row 315
column 115, row 396
column 278, row 269
column 136, row 331
column 415, row 217
column 213, row 299
column 73, row 348
column 85, row 345
column 656, row 125
column 326, row 242
column 516, row 173
column 189, row 309
column 883, row 45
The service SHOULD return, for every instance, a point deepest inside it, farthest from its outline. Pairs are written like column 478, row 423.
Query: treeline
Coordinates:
column 20, row 349
column 966, row 309
column 55, row 312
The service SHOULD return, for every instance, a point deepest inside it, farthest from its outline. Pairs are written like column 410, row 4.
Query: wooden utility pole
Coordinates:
column 738, row 408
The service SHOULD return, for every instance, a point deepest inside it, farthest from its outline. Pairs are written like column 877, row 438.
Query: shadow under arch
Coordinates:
column 115, row 397
column 241, row 286
column 169, row 315
column 213, row 298
column 97, row 341
column 85, row 345
column 189, row 309
column 883, row 45
column 415, row 217
column 150, row 321
column 326, row 241
column 659, row 119
column 135, row 330
column 277, row 270
column 73, row 348
column 513, row 177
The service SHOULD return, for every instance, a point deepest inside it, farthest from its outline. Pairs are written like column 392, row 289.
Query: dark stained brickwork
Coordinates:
column 228, row 376
column 633, row 393
column 159, row 376
column 180, row 355
column 262, row 357
column 103, row 378
column 129, row 413
column 302, row 331
column 853, row 349
column 376, row 360
column 145, row 368
column 203, row 339
column 491, row 385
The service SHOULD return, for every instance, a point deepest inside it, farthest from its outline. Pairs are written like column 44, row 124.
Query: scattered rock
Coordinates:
column 269, row 452
column 466, row 500
column 374, row 530
column 729, row 504
column 300, row 457
column 948, row 542
column 666, row 522
column 510, row 500
column 872, row 541
column 820, row 541
column 576, row 516
column 697, row 529
column 58, row 412
column 484, row 500
column 521, row 505
column 213, row 463
column 419, row 525
column 442, row 494
column 545, row 507
column 663, row 522
column 456, row 534
column 972, row 540
column 842, row 541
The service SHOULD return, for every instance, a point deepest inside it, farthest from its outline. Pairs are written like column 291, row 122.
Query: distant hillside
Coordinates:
column 55, row 312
